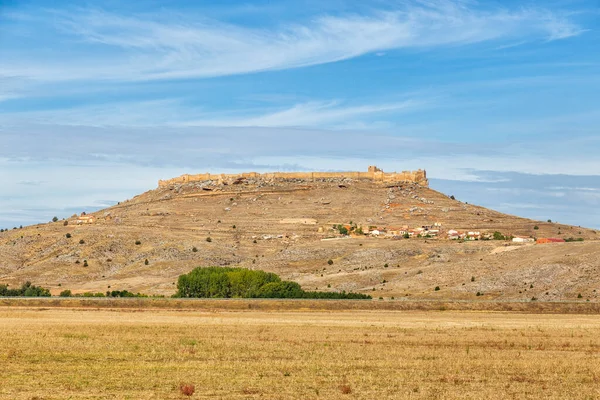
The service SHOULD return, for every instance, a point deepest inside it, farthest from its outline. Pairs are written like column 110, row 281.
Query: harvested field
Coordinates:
column 54, row 353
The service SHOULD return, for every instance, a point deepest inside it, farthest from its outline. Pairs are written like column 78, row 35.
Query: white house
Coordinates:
column 523, row 239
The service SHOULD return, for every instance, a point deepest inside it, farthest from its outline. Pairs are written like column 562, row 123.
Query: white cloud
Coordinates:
column 170, row 46
column 174, row 113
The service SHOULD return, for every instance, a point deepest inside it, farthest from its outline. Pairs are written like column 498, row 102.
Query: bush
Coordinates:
column 137, row 242
column 330, row 262
column 66, row 223
column 208, row 239
column 85, row 263
column 82, row 241
column 65, row 293
column 536, row 227
column 68, row 236
column 437, row 288
column 194, row 249
column 281, row 290
column 146, row 262
column 54, row 219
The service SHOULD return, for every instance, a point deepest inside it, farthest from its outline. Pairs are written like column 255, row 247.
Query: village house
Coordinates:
column 86, row 219
column 523, row 239
column 550, row 240
column 453, row 234
column 472, row 235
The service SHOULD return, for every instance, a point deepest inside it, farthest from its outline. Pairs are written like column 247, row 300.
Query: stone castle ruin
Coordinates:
column 373, row 174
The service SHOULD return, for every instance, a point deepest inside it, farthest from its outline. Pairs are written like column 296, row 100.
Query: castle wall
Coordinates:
column 373, row 174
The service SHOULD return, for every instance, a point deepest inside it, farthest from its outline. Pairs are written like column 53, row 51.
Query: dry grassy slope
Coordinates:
column 170, row 222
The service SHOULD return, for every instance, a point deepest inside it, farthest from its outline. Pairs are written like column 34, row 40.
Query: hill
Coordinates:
column 285, row 224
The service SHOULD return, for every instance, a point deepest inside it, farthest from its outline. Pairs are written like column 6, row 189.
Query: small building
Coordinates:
column 473, row 235
column 523, row 239
column 550, row 240
column 86, row 219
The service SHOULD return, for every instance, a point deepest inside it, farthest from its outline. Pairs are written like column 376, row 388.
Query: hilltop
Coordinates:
column 284, row 223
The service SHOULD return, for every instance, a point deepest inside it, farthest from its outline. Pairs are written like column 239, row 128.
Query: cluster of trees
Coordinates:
column 113, row 293
column 574, row 239
column 345, row 231
column 499, row 236
column 227, row 282
column 26, row 290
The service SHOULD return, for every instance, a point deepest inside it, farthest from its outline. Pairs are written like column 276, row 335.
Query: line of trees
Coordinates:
column 228, row 282
column 26, row 290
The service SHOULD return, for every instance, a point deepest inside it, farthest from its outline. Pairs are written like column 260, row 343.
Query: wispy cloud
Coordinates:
column 174, row 113
column 171, row 46
column 312, row 114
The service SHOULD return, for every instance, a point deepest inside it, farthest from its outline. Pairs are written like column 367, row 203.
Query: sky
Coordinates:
column 498, row 100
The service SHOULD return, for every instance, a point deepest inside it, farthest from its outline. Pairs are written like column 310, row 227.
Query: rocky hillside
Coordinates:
column 286, row 226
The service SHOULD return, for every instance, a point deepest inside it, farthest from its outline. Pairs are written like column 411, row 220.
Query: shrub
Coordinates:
column 345, row 389
column 233, row 227
column 187, row 390
column 385, row 265
column 472, row 279
column 146, row 262
column 452, row 197
column 66, row 223
column 208, row 239
column 85, row 263
column 82, row 241
column 479, row 294
column 137, row 242
column 549, row 220
column 437, row 288
column 65, row 293
column 579, row 296
column 54, row 219
column 330, row 262
column 68, row 236
column 194, row 249
column 536, row 227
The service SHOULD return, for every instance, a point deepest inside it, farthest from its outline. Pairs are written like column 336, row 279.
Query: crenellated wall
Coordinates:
column 373, row 174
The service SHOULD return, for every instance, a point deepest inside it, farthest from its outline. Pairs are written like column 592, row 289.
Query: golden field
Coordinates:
column 71, row 353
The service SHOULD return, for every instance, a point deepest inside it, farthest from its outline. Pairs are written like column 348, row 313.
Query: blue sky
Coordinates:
column 498, row 101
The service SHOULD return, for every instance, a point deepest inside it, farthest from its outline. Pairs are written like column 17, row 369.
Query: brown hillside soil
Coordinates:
column 76, row 354
column 277, row 229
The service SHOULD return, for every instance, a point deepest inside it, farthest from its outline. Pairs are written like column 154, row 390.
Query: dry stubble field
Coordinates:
column 146, row 354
